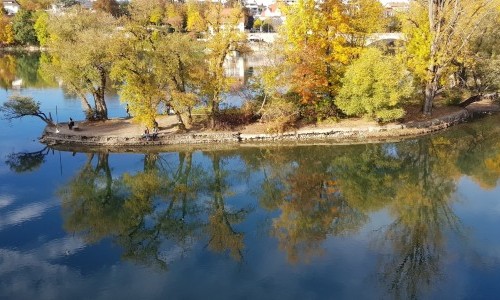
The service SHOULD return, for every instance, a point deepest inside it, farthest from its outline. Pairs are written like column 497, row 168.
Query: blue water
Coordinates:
column 415, row 219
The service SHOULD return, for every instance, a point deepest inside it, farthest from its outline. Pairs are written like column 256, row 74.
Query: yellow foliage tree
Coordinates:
column 224, row 38
column 312, row 51
column 6, row 31
column 365, row 17
column 451, row 24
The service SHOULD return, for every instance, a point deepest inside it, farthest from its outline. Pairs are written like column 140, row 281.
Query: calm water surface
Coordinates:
column 415, row 219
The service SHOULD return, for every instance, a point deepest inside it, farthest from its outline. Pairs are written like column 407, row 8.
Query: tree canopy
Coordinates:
column 161, row 54
column 84, row 69
column 375, row 86
column 21, row 106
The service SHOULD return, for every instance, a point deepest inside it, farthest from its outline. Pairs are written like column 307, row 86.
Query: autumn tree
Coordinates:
column 416, row 51
column 109, row 6
column 312, row 53
column 80, row 45
column 6, row 30
column 445, row 28
column 224, row 38
column 156, row 66
column 195, row 22
column 365, row 17
column 375, row 86
column 8, row 73
column 34, row 5
column 176, row 16
column 479, row 71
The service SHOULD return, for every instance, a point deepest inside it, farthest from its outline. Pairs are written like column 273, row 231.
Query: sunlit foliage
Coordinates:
column 375, row 86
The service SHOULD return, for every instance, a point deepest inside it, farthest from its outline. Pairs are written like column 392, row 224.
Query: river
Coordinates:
column 414, row 219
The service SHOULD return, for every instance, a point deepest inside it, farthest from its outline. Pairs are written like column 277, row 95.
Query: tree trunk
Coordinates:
column 180, row 122
column 190, row 116
column 100, row 102
column 87, row 109
column 214, row 112
column 431, row 88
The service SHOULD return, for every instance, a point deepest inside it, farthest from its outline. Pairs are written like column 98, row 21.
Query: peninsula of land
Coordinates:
column 116, row 133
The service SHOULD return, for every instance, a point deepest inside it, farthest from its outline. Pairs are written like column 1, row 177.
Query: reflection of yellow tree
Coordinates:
column 307, row 215
column 89, row 201
column 222, row 235
column 480, row 157
column 422, row 213
column 366, row 176
column 141, row 211
column 305, row 192
column 7, row 70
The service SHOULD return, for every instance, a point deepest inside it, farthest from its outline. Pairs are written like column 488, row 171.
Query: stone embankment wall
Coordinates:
column 355, row 134
column 337, row 134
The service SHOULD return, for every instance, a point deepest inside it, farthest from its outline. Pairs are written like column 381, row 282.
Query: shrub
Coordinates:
column 375, row 86
column 233, row 117
column 280, row 114
column 454, row 96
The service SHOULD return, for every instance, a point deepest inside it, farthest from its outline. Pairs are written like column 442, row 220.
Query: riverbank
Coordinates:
column 116, row 133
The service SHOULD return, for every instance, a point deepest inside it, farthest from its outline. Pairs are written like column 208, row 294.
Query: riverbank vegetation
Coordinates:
column 165, row 56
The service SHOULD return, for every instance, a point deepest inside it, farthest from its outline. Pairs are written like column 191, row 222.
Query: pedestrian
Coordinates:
column 71, row 123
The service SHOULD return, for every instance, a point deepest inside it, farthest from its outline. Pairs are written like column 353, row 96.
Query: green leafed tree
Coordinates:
column 23, row 27
column 40, row 27
column 375, row 86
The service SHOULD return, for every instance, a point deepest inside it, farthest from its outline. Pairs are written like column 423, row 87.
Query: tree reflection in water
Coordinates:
column 302, row 186
column 422, row 213
column 312, row 193
column 222, row 236
column 142, row 211
column 27, row 161
column 26, row 66
column 149, row 211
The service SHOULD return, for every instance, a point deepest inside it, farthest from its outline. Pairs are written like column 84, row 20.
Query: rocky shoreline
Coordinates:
column 334, row 134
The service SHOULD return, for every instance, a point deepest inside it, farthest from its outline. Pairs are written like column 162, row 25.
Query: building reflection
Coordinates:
column 243, row 67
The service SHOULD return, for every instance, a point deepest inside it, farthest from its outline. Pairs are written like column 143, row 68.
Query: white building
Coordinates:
column 11, row 6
